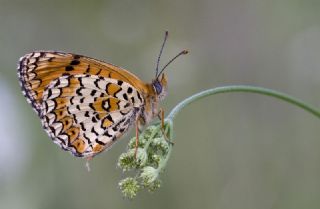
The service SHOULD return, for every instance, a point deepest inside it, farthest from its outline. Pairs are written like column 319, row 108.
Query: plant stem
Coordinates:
column 168, row 129
column 243, row 88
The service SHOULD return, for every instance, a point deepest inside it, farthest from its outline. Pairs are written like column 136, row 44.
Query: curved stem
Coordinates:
column 243, row 88
column 168, row 129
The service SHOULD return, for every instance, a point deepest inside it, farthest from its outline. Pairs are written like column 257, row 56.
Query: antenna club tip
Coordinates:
column 185, row 51
column 166, row 32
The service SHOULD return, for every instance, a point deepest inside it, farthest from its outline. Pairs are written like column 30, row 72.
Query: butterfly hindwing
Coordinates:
column 85, row 114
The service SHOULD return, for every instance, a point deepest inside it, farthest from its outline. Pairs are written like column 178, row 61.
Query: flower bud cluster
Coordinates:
column 146, row 161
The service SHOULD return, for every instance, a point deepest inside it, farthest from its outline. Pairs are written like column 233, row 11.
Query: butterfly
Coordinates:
column 86, row 105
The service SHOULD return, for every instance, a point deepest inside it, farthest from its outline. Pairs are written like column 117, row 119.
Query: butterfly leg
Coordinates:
column 137, row 139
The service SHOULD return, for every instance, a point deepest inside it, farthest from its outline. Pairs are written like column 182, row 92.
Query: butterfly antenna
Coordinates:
column 178, row 55
column 164, row 42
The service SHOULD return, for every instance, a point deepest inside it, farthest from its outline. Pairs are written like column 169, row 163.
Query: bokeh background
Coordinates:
column 235, row 150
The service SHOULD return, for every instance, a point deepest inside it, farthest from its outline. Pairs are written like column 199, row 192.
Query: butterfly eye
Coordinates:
column 157, row 86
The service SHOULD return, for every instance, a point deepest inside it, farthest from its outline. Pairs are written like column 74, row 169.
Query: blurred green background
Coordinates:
column 231, row 151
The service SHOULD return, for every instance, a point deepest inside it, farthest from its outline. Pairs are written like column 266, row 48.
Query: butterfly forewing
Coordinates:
column 84, row 104
column 36, row 70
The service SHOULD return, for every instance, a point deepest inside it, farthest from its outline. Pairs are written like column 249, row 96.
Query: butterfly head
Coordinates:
column 160, row 86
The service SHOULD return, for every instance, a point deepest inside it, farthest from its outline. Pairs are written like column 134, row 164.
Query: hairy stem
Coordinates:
column 243, row 88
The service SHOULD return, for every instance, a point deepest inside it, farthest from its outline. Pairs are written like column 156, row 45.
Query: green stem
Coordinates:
column 168, row 129
column 242, row 88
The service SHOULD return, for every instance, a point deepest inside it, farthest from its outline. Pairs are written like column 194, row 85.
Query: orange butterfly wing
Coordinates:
column 37, row 69
column 84, row 104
